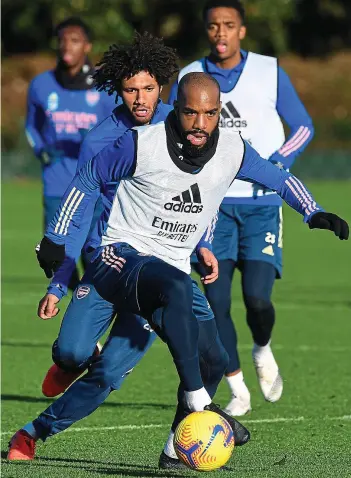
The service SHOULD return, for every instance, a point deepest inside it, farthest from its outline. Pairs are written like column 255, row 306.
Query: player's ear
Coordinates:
column 87, row 48
column 242, row 32
column 161, row 88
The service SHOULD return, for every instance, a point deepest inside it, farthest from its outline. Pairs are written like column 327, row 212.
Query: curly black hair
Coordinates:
column 147, row 53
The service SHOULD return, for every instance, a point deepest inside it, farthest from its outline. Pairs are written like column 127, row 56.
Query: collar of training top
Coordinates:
column 83, row 80
column 179, row 155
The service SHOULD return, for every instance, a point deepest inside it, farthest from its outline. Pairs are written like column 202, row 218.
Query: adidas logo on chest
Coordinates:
column 230, row 117
column 188, row 201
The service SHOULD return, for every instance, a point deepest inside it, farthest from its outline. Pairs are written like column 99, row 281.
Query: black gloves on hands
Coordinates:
column 50, row 256
column 327, row 220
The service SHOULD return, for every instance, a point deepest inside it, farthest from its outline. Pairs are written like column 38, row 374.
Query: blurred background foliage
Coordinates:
column 311, row 37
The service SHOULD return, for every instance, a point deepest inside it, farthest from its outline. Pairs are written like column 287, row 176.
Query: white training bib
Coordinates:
column 250, row 107
column 164, row 211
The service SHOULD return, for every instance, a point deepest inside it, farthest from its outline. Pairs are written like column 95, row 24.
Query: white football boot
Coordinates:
column 267, row 371
column 238, row 406
column 240, row 403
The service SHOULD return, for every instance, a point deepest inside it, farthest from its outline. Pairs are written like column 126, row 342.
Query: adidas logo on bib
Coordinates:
column 230, row 117
column 188, row 201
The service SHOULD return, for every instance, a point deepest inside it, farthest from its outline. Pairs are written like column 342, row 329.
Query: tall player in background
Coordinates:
column 256, row 96
column 62, row 107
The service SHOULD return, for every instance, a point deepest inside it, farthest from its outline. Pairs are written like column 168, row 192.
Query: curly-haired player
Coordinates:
column 146, row 55
column 133, row 72
column 136, row 73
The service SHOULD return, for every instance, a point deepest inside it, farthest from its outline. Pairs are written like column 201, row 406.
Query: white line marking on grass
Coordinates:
column 274, row 420
column 164, row 425
column 298, row 348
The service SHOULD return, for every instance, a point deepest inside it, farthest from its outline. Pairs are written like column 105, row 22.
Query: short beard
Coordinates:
column 140, row 123
column 192, row 151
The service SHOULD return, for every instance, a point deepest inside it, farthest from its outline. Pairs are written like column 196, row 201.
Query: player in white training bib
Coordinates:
column 138, row 270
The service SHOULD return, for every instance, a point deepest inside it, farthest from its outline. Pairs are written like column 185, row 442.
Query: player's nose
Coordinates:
column 200, row 122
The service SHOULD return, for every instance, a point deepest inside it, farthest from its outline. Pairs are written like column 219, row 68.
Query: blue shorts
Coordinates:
column 246, row 232
column 118, row 282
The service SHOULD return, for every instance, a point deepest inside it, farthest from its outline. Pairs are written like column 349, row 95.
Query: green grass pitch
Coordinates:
column 306, row 434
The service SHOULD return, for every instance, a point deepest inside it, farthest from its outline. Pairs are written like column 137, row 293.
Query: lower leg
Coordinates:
column 219, row 297
column 84, row 396
column 166, row 294
column 258, row 280
column 257, row 283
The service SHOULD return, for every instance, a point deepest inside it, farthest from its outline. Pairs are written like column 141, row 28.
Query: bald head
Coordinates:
column 197, row 108
column 200, row 82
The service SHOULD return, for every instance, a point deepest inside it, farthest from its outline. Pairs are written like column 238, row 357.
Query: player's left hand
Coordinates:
column 47, row 308
column 50, row 256
column 327, row 220
column 210, row 263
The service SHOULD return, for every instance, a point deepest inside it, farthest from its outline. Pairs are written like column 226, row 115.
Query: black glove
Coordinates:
column 327, row 220
column 50, row 256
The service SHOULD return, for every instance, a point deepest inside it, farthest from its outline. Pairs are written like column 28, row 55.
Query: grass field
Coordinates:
column 306, row 434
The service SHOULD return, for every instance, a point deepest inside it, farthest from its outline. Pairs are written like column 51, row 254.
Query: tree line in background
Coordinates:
column 306, row 27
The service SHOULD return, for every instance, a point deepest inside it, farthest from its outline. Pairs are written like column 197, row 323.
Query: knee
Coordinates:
column 108, row 376
column 256, row 304
column 215, row 361
column 70, row 356
column 178, row 286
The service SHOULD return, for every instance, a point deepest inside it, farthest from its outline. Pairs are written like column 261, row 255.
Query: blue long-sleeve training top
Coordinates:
column 56, row 123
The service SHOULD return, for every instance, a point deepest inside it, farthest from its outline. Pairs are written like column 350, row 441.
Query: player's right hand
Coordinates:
column 47, row 308
column 327, row 220
column 50, row 256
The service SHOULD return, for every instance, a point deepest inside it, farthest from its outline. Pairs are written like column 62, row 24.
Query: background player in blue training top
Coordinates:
column 256, row 95
column 62, row 107
column 125, row 71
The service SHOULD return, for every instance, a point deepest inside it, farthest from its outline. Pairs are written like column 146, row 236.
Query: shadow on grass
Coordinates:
column 93, row 466
column 27, row 399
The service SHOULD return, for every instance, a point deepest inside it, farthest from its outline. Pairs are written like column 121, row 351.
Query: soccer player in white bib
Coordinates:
column 256, row 95
column 173, row 176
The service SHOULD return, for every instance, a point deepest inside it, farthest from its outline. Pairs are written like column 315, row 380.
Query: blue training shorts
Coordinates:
column 116, row 269
column 246, row 232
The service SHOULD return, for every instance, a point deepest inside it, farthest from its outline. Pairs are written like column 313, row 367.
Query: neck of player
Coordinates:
column 226, row 63
column 74, row 70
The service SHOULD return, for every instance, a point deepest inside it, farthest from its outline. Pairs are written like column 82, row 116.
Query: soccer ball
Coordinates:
column 204, row 441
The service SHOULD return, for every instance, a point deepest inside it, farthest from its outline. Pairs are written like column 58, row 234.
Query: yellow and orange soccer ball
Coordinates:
column 204, row 441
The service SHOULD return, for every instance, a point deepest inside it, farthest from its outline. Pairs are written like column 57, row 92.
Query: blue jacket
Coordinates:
column 57, row 121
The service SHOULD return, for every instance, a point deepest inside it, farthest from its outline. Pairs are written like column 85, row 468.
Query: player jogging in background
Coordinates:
column 143, row 263
column 256, row 96
column 62, row 106
column 136, row 73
